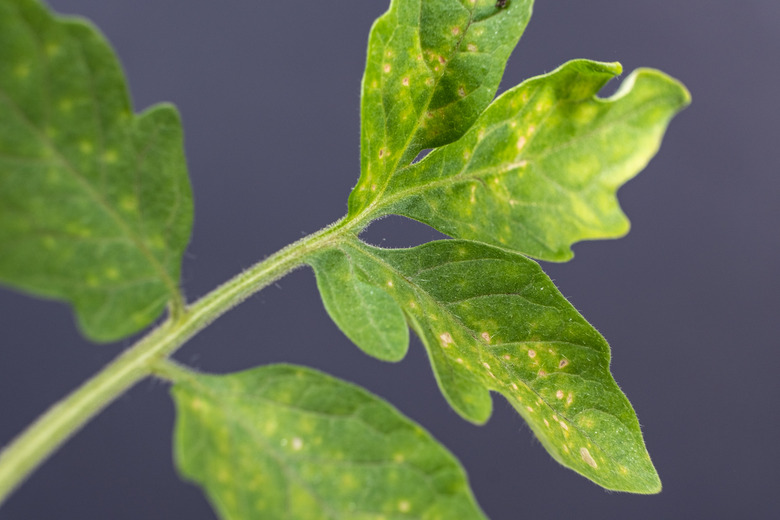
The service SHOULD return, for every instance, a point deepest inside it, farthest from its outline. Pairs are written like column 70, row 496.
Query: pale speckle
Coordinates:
column 531, row 129
column 389, row 283
column 405, row 82
column 521, row 142
column 22, row 71
column 529, row 408
column 512, row 202
column 373, row 187
column 399, row 458
column 446, row 339
column 531, row 353
column 542, row 373
column 459, row 360
column 546, row 423
column 86, row 147
column 514, row 386
column 588, row 458
column 471, row 47
column 486, row 337
column 565, row 448
column 386, row 68
column 569, row 398
column 110, row 156
column 559, row 394
column 429, row 82
column 507, row 357
column 404, row 506
column 486, row 365
column 473, row 197
column 412, row 304
column 297, row 444
column 461, row 91
column 564, row 425
column 374, row 84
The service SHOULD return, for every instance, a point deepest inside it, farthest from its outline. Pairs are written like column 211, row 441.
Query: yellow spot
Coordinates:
column 196, row 404
column 65, row 105
column 521, row 142
column 412, row 304
column 446, row 339
column 86, row 147
column 467, row 155
column 374, row 84
column 531, row 129
column 399, row 458
column 473, row 197
column 112, row 273
column 128, row 203
column 404, row 506
column 559, row 394
column 22, row 71
column 297, row 444
column 223, row 475
column 623, row 470
column 586, row 456
column 531, row 353
column 486, row 337
column 405, row 82
column 389, row 53
column 110, row 156
column 565, row 448
column 52, row 49
column 386, row 68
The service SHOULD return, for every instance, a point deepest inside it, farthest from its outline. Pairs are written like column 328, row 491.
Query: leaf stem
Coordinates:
column 35, row 444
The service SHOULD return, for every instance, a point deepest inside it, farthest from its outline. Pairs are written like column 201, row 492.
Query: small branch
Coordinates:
column 34, row 445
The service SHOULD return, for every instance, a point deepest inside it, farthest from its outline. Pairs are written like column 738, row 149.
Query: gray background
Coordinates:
column 269, row 93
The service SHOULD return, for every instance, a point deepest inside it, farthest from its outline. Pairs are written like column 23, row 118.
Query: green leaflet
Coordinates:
column 432, row 68
column 540, row 169
column 284, row 442
column 95, row 203
column 492, row 320
column 367, row 315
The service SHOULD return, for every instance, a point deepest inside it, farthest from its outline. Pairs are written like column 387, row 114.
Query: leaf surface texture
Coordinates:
column 95, row 203
column 287, row 442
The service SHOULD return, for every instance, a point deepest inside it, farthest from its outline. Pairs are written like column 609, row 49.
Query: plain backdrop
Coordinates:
column 269, row 93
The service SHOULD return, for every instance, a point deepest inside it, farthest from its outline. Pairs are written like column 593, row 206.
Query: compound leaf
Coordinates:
column 432, row 68
column 95, row 203
column 491, row 319
column 540, row 169
column 288, row 442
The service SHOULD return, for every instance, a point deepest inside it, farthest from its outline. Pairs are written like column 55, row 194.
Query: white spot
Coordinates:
column 389, row 283
column 531, row 353
column 521, row 142
column 486, row 365
column 471, row 47
column 386, row 68
column 446, row 339
column 297, row 444
column 507, row 357
column 405, row 82
column 459, row 360
column 588, row 458
column 569, row 398
column 529, row 408
column 486, row 337
column 514, row 386
column 559, row 394
column 563, row 425
column 546, row 423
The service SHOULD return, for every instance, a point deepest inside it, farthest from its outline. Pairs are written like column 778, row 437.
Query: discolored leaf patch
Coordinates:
column 95, row 203
column 491, row 320
column 290, row 443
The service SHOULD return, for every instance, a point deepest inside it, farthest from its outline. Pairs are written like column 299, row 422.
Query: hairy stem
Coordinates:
column 34, row 445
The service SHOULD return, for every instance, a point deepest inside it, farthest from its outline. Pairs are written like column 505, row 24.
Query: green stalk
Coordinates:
column 34, row 445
